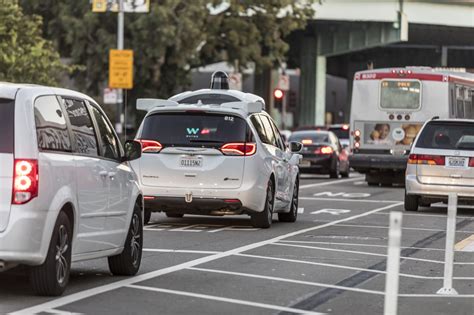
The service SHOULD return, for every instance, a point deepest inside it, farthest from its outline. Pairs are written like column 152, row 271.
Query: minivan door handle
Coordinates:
column 456, row 176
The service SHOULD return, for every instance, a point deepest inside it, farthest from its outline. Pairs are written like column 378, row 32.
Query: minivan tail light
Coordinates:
column 150, row 146
column 426, row 159
column 25, row 181
column 471, row 162
column 239, row 149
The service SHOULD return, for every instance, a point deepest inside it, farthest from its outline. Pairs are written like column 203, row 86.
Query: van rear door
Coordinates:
column 7, row 115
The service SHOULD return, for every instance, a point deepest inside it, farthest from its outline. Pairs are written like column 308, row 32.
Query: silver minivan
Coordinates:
column 441, row 161
column 67, row 191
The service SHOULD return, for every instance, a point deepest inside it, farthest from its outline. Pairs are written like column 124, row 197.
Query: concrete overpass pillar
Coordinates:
column 312, row 84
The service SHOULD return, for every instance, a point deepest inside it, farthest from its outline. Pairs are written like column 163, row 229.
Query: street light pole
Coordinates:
column 120, row 39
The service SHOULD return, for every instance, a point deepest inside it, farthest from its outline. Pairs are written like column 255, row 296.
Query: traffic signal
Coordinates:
column 278, row 96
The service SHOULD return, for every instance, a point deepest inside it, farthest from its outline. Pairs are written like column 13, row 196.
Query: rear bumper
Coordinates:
column 318, row 164
column 414, row 187
column 196, row 205
column 368, row 162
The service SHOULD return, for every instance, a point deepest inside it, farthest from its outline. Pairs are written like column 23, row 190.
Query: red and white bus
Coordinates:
column 389, row 106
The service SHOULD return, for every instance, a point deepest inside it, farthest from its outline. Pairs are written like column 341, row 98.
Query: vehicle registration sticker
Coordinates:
column 305, row 163
column 190, row 162
column 457, row 162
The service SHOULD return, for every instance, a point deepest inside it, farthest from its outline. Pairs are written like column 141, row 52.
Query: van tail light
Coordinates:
column 324, row 150
column 426, row 159
column 150, row 146
column 25, row 181
column 239, row 149
column 471, row 162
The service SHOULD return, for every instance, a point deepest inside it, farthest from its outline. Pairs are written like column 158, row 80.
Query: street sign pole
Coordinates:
column 120, row 28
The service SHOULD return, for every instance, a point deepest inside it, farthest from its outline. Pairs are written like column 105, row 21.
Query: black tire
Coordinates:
column 411, row 202
column 52, row 277
column 336, row 170
column 264, row 219
column 174, row 215
column 146, row 216
column 293, row 214
column 372, row 184
column 346, row 173
column 128, row 262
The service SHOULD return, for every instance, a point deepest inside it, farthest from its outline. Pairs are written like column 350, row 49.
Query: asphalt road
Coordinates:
column 332, row 260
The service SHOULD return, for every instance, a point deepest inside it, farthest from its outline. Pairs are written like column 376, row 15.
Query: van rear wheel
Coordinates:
column 264, row 219
column 411, row 202
column 52, row 277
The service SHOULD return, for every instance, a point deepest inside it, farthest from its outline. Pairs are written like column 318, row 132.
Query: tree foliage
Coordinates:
column 25, row 55
column 171, row 40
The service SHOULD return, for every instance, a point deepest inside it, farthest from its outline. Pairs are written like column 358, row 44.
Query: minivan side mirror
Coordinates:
column 133, row 150
column 296, row 147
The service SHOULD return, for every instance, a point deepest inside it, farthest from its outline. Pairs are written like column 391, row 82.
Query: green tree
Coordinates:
column 25, row 55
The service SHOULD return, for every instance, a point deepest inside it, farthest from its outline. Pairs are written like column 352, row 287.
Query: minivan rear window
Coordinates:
column 310, row 137
column 194, row 129
column 7, row 117
column 447, row 135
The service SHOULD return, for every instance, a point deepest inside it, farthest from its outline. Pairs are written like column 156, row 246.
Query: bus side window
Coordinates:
column 453, row 102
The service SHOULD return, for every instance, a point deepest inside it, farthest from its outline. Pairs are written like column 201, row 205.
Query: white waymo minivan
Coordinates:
column 216, row 152
column 67, row 192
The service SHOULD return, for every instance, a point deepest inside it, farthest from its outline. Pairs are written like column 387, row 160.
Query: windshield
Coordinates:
column 340, row 132
column 7, row 117
column 194, row 129
column 310, row 137
column 400, row 94
column 447, row 135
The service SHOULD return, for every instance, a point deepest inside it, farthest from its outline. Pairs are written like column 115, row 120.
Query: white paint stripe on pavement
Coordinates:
column 349, row 200
column 180, row 251
column 338, row 181
column 362, row 245
column 386, row 227
column 427, row 214
column 153, row 274
column 304, row 262
column 437, row 295
column 314, row 284
column 223, row 299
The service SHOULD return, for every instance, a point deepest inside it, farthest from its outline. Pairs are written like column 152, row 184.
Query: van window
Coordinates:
column 109, row 143
column 400, row 94
column 7, row 117
column 257, row 123
column 51, row 127
column 268, row 130
column 447, row 135
column 82, row 128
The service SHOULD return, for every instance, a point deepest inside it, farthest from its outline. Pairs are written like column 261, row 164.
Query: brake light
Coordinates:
column 25, row 181
column 324, row 150
column 471, row 162
column 239, row 149
column 150, row 146
column 426, row 159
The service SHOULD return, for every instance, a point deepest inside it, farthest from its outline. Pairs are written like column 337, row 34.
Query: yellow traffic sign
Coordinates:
column 121, row 69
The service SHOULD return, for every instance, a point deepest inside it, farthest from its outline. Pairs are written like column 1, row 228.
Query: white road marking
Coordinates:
column 314, row 284
column 342, row 194
column 53, row 311
column 345, row 267
column 332, row 211
column 338, row 181
column 349, row 200
column 366, row 253
column 186, row 227
column 300, row 210
column 362, row 245
column 223, row 299
column 437, row 295
column 153, row 274
column 466, row 245
column 180, row 251
column 426, row 214
column 359, row 183
column 386, row 227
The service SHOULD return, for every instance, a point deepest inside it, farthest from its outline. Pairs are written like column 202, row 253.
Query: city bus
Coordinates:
column 388, row 108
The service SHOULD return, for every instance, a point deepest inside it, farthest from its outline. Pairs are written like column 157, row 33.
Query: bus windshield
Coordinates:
column 400, row 94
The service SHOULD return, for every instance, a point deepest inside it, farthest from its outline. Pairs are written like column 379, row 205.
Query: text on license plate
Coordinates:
column 188, row 162
column 456, row 161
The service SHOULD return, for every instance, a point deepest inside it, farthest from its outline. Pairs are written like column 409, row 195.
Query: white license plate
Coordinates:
column 457, row 162
column 190, row 162
column 305, row 163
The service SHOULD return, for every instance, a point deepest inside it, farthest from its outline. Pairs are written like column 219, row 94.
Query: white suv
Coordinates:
column 67, row 192
column 216, row 152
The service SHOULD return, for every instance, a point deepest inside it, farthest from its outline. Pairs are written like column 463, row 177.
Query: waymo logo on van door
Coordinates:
column 192, row 131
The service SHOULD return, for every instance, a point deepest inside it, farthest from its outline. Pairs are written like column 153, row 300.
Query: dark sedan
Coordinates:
column 322, row 153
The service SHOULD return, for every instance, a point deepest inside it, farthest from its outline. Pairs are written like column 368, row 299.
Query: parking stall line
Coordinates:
column 470, row 296
column 386, row 227
column 309, row 283
column 304, row 262
column 223, row 299
column 349, row 200
column 339, row 181
column 359, row 244
column 427, row 214
column 118, row 284
column 180, row 251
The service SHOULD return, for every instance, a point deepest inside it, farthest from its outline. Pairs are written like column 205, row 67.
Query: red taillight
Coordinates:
column 150, row 146
column 239, row 149
column 25, row 181
column 426, row 159
column 471, row 162
column 324, row 150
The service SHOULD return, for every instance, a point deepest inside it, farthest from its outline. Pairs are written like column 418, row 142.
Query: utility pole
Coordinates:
column 120, row 29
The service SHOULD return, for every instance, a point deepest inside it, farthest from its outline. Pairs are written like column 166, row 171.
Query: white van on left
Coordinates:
column 67, row 191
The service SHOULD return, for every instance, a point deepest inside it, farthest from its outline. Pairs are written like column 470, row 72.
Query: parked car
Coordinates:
column 441, row 161
column 216, row 152
column 67, row 190
column 322, row 153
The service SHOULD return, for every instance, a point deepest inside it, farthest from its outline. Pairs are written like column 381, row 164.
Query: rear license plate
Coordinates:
column 190, row 162
column 305, row 163
column 456, row 162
